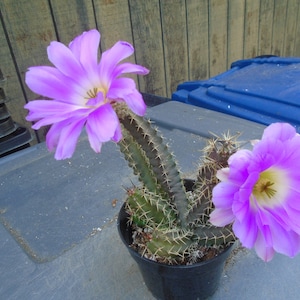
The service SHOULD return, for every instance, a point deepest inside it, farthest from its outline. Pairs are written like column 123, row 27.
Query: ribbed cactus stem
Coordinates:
column 171, row 245
column 209, row 235
column 216, row 155
column 149, row 210
column 138, row 161
column 172, row 224
column 158, row 157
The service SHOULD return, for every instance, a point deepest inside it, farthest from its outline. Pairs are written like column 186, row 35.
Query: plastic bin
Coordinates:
column 263, row 90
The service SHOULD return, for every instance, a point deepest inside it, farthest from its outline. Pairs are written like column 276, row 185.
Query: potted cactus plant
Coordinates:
column 165, row 221
column 170, row 223
column 177, row 220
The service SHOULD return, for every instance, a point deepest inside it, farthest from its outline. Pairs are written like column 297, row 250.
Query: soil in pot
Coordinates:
column 180, row 282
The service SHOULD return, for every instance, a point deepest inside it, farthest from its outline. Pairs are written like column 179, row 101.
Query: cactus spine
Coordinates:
column 172, row 222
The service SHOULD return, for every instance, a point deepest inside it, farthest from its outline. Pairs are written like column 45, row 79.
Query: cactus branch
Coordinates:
column 160, row 160
column 172, row 223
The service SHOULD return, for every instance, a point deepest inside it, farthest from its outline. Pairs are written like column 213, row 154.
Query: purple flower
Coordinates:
column 82, row 92
column 259, row 193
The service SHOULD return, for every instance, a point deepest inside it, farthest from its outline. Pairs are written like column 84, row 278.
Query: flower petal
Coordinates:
column 279, row 131
column 264, row 251
column 126, row 68
column 101, row 126
column 85, row 48
column 223, row 194
column 55, row 110
column 111, row 57
column 246, row 230
column 64, row 60
column 221, row 217
column 51, row 83
column 285, row 242
column 64, row 137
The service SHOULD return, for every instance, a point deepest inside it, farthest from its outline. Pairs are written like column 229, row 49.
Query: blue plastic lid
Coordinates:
column 264, row 90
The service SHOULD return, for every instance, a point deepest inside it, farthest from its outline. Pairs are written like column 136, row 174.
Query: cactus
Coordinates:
column 172, row 223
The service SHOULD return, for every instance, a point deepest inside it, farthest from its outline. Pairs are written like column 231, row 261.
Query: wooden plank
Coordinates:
column 12, row 88
column 72, row 17
column 236, row 19
column 279, row 22
column 296, row 51
column 197, row 35
column 29, row 27
column 113, row 21
column 251, row 28
column 218, row 36
column 174, row 37
column 265, row 27
column 147, row 34
column 290, row 30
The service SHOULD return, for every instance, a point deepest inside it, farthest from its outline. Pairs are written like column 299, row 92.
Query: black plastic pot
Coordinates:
column 197, row 281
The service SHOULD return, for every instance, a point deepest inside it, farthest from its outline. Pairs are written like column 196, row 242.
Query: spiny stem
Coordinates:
column 158, row 158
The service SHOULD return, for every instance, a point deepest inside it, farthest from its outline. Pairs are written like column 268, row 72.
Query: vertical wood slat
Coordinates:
column 297, row 34
column 197, row 35
column 290, row 29
column 265, row 27
column 148, row 42
column 251, row 28
column 71, row 17
column 236, row 19
column 113, row 21
column 177, row 40
column 217, row 36
column 279, row 24
column 173, row 17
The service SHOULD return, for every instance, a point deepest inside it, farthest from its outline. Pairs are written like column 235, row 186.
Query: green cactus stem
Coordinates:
column 212, row 236
column 171, row 224
column 215, row 157
column 149, row 210
column 172, row 245
column 152, row 160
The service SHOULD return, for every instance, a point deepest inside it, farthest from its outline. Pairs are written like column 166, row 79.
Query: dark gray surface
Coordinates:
column 58, row 238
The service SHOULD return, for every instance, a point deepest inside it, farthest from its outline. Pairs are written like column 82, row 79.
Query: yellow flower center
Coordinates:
column 264, row 185
column 271, row 188
column 92, row 93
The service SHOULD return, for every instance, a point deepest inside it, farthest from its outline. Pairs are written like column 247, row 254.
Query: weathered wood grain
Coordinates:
column 113, row 21
column 279, row 24
column 265, row 27
column 252, row 9
column 148, row 42
column 236, row 20
column 71, row 17
column 217, row 36
column 197, row 35
column 173, row 18
column 290, row 29
column 297, row 34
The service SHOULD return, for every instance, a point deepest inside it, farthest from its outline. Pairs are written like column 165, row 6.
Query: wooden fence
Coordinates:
column 178, row 40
